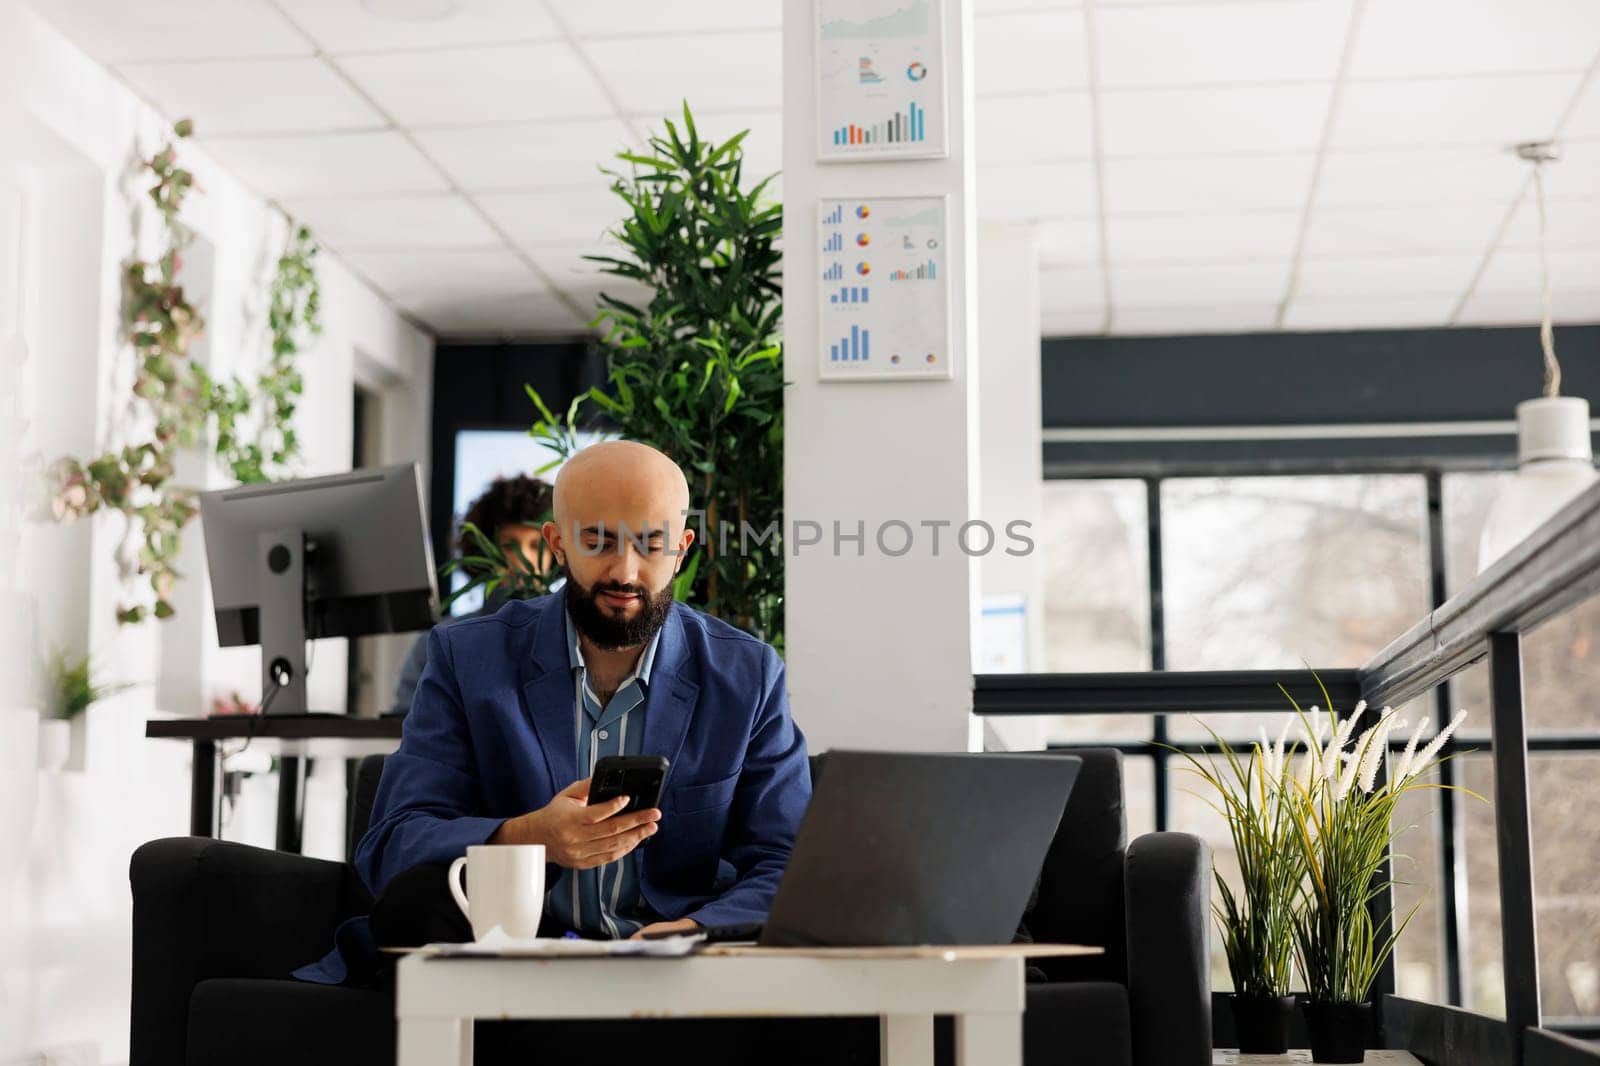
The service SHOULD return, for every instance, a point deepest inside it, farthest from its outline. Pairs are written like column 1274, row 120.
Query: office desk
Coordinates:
column 289, row 737
column 437, row 999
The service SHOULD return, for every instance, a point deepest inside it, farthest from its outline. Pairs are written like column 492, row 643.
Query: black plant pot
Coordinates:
column 1262, row 1023
column 1338, row 1031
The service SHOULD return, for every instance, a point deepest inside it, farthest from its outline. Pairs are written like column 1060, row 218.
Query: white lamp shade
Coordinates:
column 1555, row 463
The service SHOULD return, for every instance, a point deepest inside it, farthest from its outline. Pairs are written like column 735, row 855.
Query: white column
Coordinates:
column 879, row 648
column 1012, row 463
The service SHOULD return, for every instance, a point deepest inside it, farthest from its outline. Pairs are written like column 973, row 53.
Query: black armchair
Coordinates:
column 217, row 928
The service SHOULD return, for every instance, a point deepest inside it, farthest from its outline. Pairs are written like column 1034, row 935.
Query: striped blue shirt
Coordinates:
column 604, row 901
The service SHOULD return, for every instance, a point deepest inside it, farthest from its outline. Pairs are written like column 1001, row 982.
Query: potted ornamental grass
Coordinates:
column 1344, row 826
column 1257, row 920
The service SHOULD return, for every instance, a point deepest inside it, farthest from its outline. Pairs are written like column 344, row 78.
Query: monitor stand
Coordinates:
column 281, row 588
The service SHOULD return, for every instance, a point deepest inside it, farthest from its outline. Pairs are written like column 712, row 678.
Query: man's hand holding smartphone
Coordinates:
column 579, row 836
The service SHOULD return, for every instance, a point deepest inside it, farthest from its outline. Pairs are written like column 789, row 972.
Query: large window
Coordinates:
column 1273, row 572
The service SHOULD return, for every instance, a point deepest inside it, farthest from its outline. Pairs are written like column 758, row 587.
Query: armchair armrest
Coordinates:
column 207, row 908
column 1167, row 888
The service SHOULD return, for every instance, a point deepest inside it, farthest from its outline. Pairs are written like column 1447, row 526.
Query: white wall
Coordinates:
column 1009, row 442
column 64, row 947
column 879, row 649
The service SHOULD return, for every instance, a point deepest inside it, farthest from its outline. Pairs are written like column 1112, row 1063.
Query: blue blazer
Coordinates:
column 490, row 736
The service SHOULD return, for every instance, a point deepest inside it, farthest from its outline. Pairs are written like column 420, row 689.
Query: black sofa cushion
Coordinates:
column 250, row 1022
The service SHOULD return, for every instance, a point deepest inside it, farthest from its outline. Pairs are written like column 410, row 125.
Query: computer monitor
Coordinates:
column 339, row 556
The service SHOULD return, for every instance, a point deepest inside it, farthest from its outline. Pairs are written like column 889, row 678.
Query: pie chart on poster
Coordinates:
column 916, row 72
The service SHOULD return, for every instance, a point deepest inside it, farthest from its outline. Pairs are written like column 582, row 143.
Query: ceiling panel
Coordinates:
column 1421, row 38
column 1178, row 284
column 1080, row 289
column 1211, row 120
column 1237, row 235
column 1074, row 240
column 1577, row 173
column 1033, row 129
column 1194, row 318
column 1421, row 311
column 328, row 164
column 1585, row 118
column 1214, row 184
column 497, row 314
column 1505, row 307
column 1049, row 190
column 1031, row 51
column 722, row 72
column 1514, row 271
column 1054, row 323
column 254, row 96
column 1447, row 175
column 390, row 222
column 1243, row 42
column 567, row 217
column 565, row 263
column 115, row 31
column 492, row 269
column 1492, row 112
column 528, row 155
column 474, row 86
column 1377, row 279
column 1571, row 224
column 1402, row 231
column 343, row 26
column 649, row 18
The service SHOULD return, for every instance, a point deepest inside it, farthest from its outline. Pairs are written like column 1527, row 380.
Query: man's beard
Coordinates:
column 606, row 630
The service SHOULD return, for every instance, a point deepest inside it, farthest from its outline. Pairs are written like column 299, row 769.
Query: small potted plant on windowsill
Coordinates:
column 1257, row 922
column 1344, row 827
column 71, row 690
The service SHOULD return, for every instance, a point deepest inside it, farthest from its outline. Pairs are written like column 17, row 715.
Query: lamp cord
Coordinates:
column 1552, row 368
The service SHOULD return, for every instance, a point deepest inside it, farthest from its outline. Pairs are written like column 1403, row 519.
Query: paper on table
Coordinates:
column 496, row 943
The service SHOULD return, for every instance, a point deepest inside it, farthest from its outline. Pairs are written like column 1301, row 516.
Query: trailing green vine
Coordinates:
column 175, row 399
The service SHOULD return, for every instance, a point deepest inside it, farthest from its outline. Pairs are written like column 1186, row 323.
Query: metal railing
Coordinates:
column 1555, row 568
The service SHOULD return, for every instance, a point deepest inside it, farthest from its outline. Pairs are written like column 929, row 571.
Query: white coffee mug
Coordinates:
column 507, row 888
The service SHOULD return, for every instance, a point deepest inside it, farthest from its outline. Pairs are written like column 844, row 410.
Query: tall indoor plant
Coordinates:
column 1344, row 829
column 1257, row 922
column 696, row 370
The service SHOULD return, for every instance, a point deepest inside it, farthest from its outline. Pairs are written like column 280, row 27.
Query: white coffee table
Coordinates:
column 437, row 999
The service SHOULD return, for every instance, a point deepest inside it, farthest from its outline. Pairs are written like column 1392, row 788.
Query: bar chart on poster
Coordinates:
column 880, row 79
column 883, row 301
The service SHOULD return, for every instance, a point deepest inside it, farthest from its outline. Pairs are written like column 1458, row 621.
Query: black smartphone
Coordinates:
column 639, row 777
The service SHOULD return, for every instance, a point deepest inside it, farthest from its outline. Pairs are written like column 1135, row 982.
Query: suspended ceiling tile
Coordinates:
column 1078, row 289
column 453, row 271
column 1425, row 38
column 1211, row 184
column 651, row 18
column 474, row 86
column 1420, row 311
column 713, row 72
column 1511, row 307
column 1033, row 129
column 1069, row 241
column 1071, row 323
column 1193, row 318
column 1492, row 112
column 330, row 164
column 1384, row 279
column 1431, row 176
column 115, row 31
column 1243, row 42
column 497, row 314
column 1213, row 120
column 1051, row 190
column 1221, row 283
column 1570, row 225
column 1233, row 235
column 1518, row 271
column 254, row 96
column 395, row 222
column 1402, row 231
column 350, row 27
column 530, row 154
column 566, row 217
column 1030, row 51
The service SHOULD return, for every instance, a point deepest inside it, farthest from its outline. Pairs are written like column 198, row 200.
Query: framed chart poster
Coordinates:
column 880, row 80
column 883, row 299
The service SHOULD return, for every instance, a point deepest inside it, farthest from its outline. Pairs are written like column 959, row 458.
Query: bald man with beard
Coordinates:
column 514, row 709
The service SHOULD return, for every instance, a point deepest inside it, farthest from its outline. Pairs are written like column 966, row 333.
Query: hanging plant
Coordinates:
column 175, row 400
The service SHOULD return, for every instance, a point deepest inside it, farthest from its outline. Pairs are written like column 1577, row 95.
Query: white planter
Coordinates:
column 55, row 744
